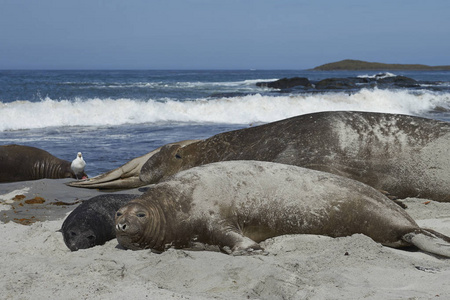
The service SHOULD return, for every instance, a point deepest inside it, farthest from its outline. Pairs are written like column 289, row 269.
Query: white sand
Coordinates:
column 36, row 264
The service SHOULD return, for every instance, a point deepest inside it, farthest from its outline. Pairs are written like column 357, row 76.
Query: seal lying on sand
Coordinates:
column 20, row 163
column 403, row 155
column 92, row 222
column 125, row 176
column 237, row 204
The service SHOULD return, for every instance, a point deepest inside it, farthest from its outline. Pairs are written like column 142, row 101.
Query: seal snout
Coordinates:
column 129, row 219
column 121, row 227
column 121, row 222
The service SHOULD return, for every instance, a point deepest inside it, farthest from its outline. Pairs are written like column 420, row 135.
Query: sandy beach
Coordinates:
column 36, row 264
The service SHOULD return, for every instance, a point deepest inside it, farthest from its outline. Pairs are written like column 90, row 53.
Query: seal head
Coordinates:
column 168, row 162
column 92, row 222
column 140, row 227
column 81, row 237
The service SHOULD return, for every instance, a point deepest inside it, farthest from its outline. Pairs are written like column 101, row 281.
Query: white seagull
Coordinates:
column 78, row 165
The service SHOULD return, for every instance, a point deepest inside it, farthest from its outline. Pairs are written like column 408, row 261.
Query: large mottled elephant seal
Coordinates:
column 403, row 155
column 237, row 204
column 20, row 163
column 92, row 222
column 125, row 176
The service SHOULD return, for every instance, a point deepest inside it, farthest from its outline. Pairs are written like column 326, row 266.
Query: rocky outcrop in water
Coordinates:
column 347, row 83
column 286, row 83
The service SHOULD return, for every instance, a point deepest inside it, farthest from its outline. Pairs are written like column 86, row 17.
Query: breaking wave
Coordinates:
column 20, row 115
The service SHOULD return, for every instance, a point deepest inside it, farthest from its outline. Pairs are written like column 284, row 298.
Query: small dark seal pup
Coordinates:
column 404, row 155
column 237, row 204
column 92, row 222
column 21, row 163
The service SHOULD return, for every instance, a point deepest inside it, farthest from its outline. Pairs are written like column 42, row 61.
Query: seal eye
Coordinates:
column 118, row 214
column 72, row 233
column 177, row 156
column 140, row 215
column 91, row 237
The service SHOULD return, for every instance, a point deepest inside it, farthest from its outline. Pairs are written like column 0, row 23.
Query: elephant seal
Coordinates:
column 237, row 204
column 92, row 222
column 21, row 163
column 125, row 176
column 404, row 155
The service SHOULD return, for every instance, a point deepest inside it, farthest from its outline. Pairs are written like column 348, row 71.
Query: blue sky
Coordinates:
column 225, row 34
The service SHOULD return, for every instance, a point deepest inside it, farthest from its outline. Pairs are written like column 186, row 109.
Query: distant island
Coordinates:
column 356, row 65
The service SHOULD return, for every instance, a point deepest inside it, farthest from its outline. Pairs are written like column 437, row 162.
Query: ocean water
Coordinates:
column 115, row 116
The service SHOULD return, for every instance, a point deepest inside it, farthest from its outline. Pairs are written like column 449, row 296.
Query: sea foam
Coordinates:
column 21, row 115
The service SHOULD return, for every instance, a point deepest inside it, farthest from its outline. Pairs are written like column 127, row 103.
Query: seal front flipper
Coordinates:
column 429, row 241
column 233, row 241
column 237, row 244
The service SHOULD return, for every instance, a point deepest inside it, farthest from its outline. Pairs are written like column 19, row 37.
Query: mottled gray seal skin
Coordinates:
column 236, row 204
column 21, row 163
column 404, row 155
column 125, row 176
column 92, row 222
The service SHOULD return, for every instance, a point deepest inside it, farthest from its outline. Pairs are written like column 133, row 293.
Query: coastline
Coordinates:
column 37, row 263
column 359, row 65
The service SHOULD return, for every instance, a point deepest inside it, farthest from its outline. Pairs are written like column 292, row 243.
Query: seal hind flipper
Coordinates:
column 429, row 241
column 115, row 184
column 125, row 176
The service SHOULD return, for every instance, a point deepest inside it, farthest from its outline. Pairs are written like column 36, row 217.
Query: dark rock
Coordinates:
column 286, row 83
column 400, row 81
column 228, row 95
column 360, row 80
column 336, row 83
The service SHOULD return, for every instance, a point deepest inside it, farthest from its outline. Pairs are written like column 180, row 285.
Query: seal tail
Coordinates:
column 429, row 241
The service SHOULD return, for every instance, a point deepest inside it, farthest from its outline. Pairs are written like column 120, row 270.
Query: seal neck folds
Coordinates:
column 51, row 169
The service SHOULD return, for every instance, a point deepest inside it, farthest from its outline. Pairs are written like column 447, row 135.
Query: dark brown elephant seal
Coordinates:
column 20, row 163
column 237, row 204
column 404, row 155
